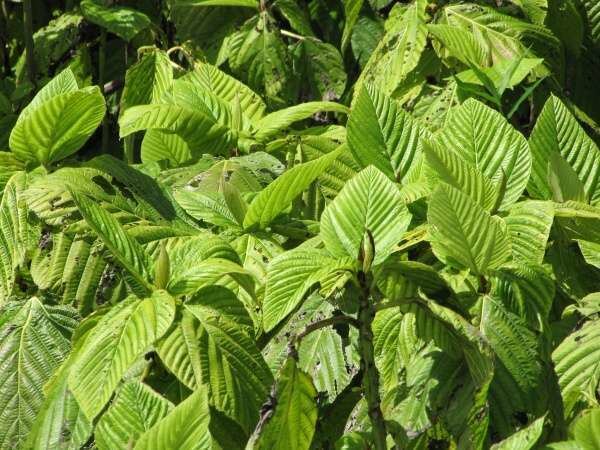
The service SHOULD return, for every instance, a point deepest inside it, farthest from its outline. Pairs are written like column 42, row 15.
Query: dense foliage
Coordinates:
column 312, row 224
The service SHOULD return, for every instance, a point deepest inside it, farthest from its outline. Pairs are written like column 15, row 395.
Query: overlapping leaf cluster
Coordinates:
column 240, row 224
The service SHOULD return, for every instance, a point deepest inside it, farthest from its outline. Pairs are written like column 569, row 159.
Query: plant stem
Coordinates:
column 292, row 35
column 101, row 76
column 366, row 314
column 28, row 34
column 322, row 324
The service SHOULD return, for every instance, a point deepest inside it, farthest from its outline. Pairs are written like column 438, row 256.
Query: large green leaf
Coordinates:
column 557, row 131
column 124, row 22
column 120, row 337
column 577, row 360
column 351, row 12
column 279, row 120
column 586, row 429
column 184, row 428
column 486, row 140
column 123, row 247
column 291, row 425
column 452, row 169
column 382, row 134
column 147, row 80
column 513, row 342
column 210, row 345
column 58, row 122
column 369, row 201
column 278, row 196
column 135, row 409
column 524, row 439
column 34, row 341
column 528, row 224
column 464, row 235
column 289, row 277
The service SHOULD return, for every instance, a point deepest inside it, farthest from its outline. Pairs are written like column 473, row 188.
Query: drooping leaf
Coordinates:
column 124, row 22
column 120, row 337
column 292, row 423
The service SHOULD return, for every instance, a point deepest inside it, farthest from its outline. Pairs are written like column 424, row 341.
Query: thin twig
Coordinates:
column 295, row 340
column 292, row 35
column 29, row 47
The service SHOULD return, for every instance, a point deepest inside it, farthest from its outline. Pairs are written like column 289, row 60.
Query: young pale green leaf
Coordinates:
column 136, row 409
column 463, row 234
column 184, row 428
column 123, row 247
column 557, row 131
column 32, row 347
column 277, row 121
column 58, row 125
column 278, row 196
column 291, row 425
column 118, row 340
column 528, row 224
column 382, row 134
column 486, row 140
column 524, row 439
column 147, row 80
column 124, row 22
column 368, row 202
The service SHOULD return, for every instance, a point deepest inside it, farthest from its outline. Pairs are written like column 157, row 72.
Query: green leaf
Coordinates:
column 528, row 224
column 369, row 201
column 524, row 439
column 120, row 337
column 184, row 428
column 59, row 120
column 135, row 409
column 289, row 277
column 382, row 134
column 278, row 196
column 197, row 128
column 227, row 88
column 123, row 247
column 513, row 342
column 278, row 121
column 592, row 13
column 147, row 80
column 557, row 131
column 322, row 69
column 486, row 140
column 34, row 340
column 586, row 429
column 464, row 235
column 351, row 12
column 291, row 425
column 590, row 252
column 161, row 146
column 563, row 181
column 577, row 360
column 239, row 377
column 124, row 22
column 461, row 44
column 461, row 174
